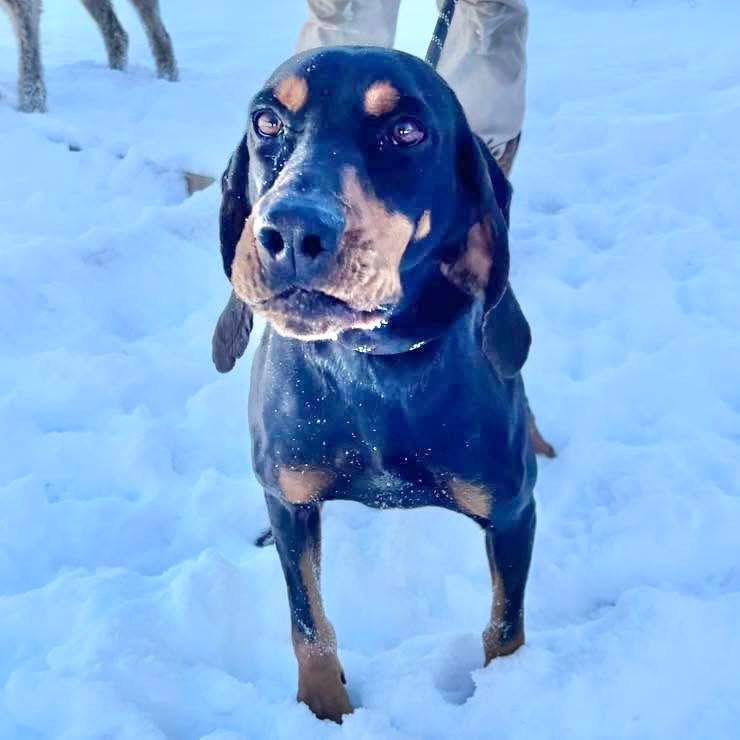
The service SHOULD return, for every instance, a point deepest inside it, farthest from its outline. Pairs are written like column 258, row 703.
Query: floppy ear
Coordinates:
column 235, row 205
column 231, row 335
column 482, row 268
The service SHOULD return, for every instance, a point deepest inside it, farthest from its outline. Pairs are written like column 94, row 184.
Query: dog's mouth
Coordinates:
column 313, row 315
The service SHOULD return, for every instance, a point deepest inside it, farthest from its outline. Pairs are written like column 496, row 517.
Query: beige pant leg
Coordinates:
column 484, row 61
column 348, row 22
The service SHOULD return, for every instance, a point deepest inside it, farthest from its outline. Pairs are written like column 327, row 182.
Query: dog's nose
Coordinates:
column 298, row 236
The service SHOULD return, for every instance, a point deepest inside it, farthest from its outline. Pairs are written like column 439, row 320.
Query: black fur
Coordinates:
column 434, row 404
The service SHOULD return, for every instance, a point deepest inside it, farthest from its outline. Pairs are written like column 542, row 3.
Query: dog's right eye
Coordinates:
column 408, row 132
column 267, row 124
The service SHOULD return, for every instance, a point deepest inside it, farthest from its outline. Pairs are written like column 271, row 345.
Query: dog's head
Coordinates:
column 359, row 204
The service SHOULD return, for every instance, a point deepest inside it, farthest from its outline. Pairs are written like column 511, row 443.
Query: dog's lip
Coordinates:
column 295, row 291
column 324, row 301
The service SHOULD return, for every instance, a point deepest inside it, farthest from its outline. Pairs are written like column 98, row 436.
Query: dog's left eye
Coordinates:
column 407, row 132
column 268, row 124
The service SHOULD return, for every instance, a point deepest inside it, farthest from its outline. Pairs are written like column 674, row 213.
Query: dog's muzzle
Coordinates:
column 297, row 238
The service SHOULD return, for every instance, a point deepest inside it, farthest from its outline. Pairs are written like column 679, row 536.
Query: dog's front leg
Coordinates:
column 297, row 530
column 509, row 552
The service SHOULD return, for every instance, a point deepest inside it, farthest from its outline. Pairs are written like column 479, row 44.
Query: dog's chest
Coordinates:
column 381, row 437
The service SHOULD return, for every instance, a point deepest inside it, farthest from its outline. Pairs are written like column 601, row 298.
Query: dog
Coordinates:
column 366, row 222
column 26, row 14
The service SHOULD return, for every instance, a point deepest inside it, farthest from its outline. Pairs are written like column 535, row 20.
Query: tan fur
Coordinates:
column 424, row 226
column 471, row 498
column 304, row 484
column 292, row 92
column 320, row 683
column 471, row 271
column 381, row 98
column 366, row 273
column 247, row 273
column 288, row 318
column 493, row 647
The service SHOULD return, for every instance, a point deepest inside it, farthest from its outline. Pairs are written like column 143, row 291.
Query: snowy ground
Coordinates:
column 132, row 604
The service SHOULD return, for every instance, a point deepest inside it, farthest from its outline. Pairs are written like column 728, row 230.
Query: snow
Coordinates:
column 132, row 603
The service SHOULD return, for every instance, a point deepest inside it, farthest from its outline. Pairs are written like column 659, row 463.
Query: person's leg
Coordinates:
column 347, row 22
column 484, row 61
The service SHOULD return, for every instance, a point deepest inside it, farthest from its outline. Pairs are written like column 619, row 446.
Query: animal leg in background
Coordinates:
column 25, row 15
column 114, row 37
column 159, row 39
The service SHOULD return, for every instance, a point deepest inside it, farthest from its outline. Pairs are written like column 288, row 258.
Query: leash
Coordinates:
column 440, row 33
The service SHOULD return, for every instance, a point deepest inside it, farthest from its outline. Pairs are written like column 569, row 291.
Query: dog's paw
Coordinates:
column 321, row 686
column 231, row 335
column 496, row 647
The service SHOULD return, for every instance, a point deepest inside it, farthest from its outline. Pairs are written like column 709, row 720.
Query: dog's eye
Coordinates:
column 408, row 132
column 267, row 124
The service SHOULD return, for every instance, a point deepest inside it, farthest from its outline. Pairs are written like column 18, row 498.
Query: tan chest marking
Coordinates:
column 304, row 485
column 471, row 498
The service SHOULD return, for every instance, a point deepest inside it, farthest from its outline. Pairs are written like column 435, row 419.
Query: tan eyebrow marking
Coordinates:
column 424, row 226
column 292, row 92
column 381, row 98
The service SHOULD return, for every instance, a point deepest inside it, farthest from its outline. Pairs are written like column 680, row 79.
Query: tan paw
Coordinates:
column 494, row 647
column 321, row 686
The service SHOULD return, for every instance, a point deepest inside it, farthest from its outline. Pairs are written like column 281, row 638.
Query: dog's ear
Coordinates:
column 231, row 335
column 235, row 205
column 482, row 268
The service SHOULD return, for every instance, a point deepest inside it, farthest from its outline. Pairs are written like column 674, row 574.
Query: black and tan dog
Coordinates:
column 368, row 224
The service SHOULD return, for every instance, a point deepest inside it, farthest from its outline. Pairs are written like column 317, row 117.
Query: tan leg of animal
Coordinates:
column 297, row 531
column 159, row 39
column 320, row 675
column 114, row 36
column 25, row 16
column 509, row 555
